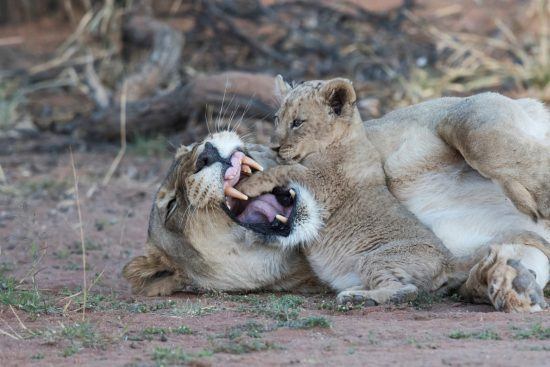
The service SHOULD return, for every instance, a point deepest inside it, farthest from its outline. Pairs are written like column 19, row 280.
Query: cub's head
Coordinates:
column 204, row 233
column 313, row 115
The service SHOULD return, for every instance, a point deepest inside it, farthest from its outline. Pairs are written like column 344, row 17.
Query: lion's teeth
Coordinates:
column 252, row 163
column 281, row 218
column 227, row 204
column 234, row 193
column 246, row 169
column 292, row 193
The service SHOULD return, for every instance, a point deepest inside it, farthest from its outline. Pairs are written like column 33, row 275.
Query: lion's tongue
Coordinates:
column 262, row 209
column 233, row 173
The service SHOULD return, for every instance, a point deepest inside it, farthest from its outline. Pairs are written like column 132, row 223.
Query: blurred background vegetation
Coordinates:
column 63, row 63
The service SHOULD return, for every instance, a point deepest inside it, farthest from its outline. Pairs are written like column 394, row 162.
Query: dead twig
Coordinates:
column 21, row 322
column 10, row 335
column 122, row 150
column 82, row 242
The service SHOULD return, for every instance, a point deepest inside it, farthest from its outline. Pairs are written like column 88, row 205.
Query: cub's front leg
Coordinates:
column 262, row 182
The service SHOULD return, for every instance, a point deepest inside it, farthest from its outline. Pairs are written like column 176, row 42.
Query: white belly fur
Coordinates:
column 464, row 209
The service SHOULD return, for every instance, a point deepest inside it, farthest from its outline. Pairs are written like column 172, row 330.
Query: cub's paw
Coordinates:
column 355, row 298
column 513, row 288
column 257, row 184
column 373, row 297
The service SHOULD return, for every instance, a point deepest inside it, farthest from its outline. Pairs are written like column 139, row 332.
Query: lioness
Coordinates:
column 371, row 249
column 196, row 240
column 427, row 152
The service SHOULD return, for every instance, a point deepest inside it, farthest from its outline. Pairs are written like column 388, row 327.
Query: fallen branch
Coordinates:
column 165, row 43
column 248, row 94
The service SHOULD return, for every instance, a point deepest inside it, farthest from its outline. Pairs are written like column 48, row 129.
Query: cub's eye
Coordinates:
column 296, row 123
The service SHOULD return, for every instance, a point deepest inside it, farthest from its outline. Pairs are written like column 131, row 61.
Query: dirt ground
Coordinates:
column 41, row 268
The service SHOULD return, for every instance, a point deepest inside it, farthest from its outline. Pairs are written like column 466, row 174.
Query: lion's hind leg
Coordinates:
column 510, row 276
column 507, row 141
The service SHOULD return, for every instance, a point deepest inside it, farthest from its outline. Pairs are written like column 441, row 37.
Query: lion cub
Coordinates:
column 371, row 249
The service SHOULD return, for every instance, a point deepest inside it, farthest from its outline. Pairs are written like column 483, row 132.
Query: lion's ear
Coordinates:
column 150, row 275
column 281, row 88
column 339, row 95
column 184, row 149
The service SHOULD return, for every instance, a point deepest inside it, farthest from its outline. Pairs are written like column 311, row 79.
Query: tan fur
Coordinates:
column 193, row 243
column 497, row 277
column 414, row 146
column 438, row 158
column 371, row 248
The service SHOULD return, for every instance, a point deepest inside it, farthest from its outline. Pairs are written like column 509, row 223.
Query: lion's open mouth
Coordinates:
column 270, row 213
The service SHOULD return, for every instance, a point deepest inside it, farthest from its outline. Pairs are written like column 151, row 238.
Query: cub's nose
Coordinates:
column 209, row 155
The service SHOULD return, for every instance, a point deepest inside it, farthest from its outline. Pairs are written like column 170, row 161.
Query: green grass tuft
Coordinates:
column 482, row 335
column 176, row 356
column 243, row 347
column 32, row 301
column 536, row 331
column 309, row 323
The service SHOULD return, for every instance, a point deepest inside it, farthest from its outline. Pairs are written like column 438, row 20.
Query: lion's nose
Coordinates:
column 209, row 155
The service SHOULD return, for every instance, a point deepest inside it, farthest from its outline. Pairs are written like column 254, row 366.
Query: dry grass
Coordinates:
column 82, row 241
column 514, row 62
column 122, row 150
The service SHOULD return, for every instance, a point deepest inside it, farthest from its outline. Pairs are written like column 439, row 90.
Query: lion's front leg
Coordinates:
column 266, row 181
column 511, row 277
column 507, row 141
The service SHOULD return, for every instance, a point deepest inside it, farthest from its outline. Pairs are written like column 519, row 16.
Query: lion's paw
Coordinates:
column 531, row 197
column 513, row 288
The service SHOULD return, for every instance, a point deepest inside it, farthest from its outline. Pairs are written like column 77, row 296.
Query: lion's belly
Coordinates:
column 463, row 209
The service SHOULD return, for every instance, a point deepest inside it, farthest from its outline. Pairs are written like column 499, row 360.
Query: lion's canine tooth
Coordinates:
column 234, row 193
column 292, row 193
column 246, row 169
column 281, row 218
column 252, row 163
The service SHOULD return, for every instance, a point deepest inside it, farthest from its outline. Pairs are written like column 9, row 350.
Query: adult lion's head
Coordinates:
column 201, row 235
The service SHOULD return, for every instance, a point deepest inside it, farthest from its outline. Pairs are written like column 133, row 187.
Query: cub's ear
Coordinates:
column 339, row 95
column 281, row 88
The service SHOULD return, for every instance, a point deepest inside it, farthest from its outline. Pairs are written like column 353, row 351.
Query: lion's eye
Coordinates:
column 170, row 208
column 296, row 123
